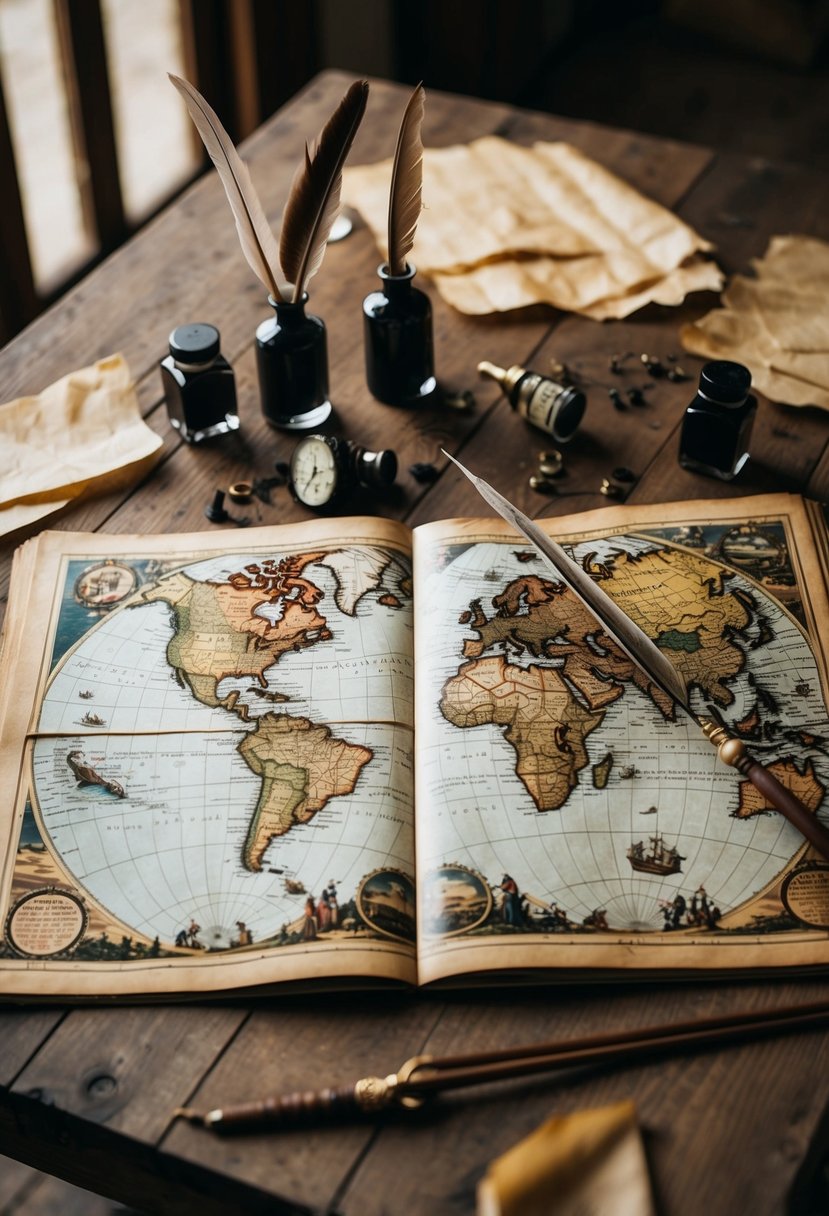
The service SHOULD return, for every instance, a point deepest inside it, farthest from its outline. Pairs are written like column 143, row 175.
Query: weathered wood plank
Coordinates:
column 711, row 1108
column 128, row 1067
column 17, row 1181
column 294, row 1047
column 23, row 1031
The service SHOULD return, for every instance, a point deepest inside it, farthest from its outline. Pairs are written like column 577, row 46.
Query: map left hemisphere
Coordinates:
column 176, row 823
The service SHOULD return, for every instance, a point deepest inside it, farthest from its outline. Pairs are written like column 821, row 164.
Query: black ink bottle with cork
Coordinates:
column 199, row 385
column 717, row 425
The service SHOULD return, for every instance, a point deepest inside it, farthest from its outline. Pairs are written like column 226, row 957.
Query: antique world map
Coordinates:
column 233, row 740
column 228, row 750
column 547, row 762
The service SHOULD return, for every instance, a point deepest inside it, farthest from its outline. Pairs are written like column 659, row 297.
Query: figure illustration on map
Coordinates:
column 333, row 906
column 324, row 911
column 85, row 774
column 673, row 911
column 245, row 937
column 510, row 902
column 597, row 919
column 309, row 925
column 702, row 911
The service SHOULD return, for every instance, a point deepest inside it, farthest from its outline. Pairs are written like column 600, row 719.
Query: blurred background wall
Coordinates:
column 93, row 141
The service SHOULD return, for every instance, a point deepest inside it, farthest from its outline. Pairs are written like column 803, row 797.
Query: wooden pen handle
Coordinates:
column 304, row 1107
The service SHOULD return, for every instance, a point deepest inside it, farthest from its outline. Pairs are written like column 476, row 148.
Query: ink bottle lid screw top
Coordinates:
column 717, row 425
column 557, row 409
column 199, row 385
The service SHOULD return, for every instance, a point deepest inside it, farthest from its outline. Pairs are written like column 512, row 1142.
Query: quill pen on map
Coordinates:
column 255, row 235
column 314, row 197
column 642, row 651
column 406, row 183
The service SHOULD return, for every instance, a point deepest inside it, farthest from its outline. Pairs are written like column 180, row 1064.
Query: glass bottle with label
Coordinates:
column 557, row 409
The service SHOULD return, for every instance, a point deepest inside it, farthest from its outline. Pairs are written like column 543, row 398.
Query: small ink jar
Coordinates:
column 199, row 385
column 717, row 425
column 554, row 408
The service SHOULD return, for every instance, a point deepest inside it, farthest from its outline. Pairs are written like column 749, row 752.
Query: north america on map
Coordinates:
column 239, row 704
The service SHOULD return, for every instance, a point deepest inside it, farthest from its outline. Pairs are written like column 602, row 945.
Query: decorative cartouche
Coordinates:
column 717, row 425
column 554, row 408
column 199, row 385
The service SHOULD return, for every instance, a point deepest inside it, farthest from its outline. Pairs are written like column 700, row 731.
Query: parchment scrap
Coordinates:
column 505, row 226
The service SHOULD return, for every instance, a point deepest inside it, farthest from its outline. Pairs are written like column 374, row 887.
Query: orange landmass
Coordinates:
column 302, row 766
column 545, row 724
column 805, row 786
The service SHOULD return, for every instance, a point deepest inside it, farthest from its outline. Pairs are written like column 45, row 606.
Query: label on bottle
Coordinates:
column 539, row 401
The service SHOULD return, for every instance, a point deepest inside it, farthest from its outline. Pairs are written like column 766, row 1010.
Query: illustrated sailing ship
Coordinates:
column 92, row 720
column 661, row 859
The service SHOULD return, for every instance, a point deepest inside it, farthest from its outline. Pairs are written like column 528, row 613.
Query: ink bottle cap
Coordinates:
column 557, row 409
column 724, row 382
column 195, row 344
column 199, row 385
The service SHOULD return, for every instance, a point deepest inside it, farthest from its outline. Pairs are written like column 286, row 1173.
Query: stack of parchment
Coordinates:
column 505, row 226
column 82, row 434
column 777, row 323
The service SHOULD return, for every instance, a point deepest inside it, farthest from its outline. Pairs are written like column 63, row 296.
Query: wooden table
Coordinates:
column 88, row 1093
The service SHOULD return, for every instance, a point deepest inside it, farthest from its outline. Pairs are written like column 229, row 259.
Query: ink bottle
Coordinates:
column 199, row 385
column 557, row 409
column 398, row 342
column 717, row 425
column 292, row 363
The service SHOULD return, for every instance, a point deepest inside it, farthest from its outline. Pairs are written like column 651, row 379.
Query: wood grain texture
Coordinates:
column 727, row 1131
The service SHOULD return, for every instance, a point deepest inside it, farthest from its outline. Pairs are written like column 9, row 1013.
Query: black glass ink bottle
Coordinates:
column 398, row 342
column 199, row 385
column 717, row 426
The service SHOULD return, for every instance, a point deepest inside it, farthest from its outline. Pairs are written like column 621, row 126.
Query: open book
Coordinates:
column 342, row 751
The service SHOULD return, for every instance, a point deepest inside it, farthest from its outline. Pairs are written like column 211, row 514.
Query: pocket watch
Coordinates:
column 324, row 469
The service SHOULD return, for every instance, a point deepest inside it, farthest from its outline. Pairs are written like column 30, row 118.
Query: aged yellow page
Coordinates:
column 207, row 762
column 569, row 818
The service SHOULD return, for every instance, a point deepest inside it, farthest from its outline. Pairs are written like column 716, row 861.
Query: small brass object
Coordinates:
column 542, row 485
column 551, row 463
column 618, row 484
column 240, row 491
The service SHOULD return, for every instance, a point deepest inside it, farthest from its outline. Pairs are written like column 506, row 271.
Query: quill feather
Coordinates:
column 406, row 183
column 255, row 234
column 314, row 197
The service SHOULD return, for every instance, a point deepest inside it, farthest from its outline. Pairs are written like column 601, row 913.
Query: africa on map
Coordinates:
column 560, row 782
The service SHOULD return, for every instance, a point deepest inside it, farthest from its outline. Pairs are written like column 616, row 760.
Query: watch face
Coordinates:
column 314, row 472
